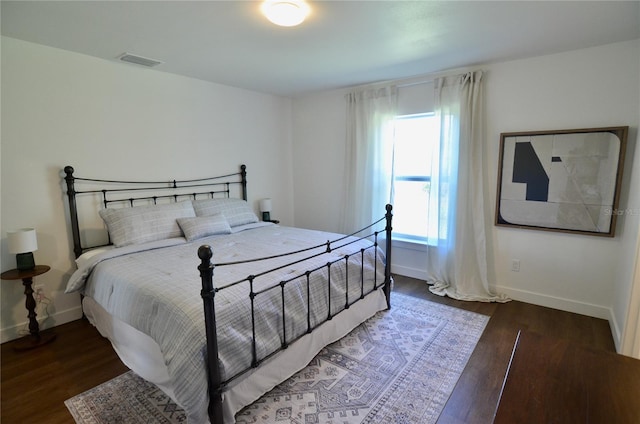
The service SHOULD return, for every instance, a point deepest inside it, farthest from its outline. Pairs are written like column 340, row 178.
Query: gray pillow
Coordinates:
column 203, row 226
column 142, row 224
column 236, row 211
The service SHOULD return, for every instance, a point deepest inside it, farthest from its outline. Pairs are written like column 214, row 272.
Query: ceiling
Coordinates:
column 342, row 43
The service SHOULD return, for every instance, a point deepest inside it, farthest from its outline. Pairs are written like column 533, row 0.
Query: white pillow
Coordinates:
column 83, row 259
column 203, row 226
column 142, row 224
column 236, row 211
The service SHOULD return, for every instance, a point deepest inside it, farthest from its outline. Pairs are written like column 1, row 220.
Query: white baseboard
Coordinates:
column 616, row 333
column 562, row 304
column 569, row 305
column 59, row 318
column 409, row 272
column 72, row 314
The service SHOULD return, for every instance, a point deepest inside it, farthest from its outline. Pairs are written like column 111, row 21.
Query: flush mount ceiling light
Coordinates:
column 286, row 12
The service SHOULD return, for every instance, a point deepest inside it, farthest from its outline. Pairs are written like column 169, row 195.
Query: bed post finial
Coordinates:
column 73, row 210
column 213, row 370
column 243, row 175
column 387, row 269
column 205, row 254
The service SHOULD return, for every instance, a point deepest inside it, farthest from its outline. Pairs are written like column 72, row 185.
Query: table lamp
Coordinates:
column 23, row 243
column 265, row 208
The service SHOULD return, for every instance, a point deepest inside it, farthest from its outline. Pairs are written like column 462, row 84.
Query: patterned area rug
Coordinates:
column 400, row 366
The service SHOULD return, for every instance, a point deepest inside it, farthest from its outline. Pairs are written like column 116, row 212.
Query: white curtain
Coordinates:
column 369, row 155
column 457, row 263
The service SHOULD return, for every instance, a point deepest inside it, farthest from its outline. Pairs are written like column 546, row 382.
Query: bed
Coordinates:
column 215, row 345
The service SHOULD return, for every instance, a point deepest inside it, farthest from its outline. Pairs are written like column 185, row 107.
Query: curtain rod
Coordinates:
column 418, row 80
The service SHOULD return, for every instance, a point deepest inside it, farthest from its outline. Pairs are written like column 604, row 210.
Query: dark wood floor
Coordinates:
column 35, row 384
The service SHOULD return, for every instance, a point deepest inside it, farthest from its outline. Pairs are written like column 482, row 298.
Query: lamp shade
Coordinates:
column 22, row 240
column 265, row 205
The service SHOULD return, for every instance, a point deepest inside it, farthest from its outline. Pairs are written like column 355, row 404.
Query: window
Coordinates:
column 415, row 152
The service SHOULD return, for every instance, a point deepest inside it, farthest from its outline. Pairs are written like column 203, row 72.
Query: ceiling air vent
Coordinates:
column 139, row 60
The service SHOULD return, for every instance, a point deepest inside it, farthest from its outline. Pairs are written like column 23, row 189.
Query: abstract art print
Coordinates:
column 566, row 180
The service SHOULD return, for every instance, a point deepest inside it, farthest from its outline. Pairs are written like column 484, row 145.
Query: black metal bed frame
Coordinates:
column 221, row 185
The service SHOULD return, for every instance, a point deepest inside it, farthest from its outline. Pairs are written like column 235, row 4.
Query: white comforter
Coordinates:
column 157, row 291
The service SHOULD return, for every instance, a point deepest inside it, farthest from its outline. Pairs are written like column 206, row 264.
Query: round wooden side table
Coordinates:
column 36, row 338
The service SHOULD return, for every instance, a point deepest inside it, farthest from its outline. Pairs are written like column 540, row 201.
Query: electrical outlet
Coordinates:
column 515, row 265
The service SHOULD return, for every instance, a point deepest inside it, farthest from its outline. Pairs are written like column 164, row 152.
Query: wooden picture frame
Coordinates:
column 565, row 180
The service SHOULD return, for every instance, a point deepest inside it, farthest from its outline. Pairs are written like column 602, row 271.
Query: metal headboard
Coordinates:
column 132, row 192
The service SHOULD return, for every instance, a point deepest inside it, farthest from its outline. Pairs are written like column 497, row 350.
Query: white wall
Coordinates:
column 579, row 89
column 62, row 108
column 319, row 129
column 585, row 88
column 110, row 119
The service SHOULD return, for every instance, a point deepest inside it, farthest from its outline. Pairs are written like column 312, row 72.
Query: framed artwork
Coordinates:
column 566, row 180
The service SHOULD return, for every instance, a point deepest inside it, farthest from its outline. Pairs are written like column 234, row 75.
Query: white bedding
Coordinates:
column 156, row 291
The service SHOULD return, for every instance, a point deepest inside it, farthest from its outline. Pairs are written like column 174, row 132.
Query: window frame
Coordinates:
column 408, row 237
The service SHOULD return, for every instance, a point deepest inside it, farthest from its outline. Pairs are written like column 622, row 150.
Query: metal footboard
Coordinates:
column 208, row 293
